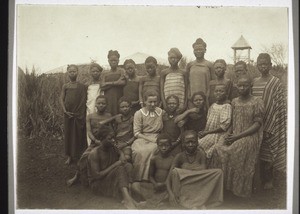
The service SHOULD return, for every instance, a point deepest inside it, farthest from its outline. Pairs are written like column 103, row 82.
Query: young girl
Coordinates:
column 194, row 118
column 169, row 125
column 93, row 90
column 131, row 89
column 273, row 149
column 239, row 153
column 240, row 69
column 73, row 102
column 124, row 128
column 151, row 82
column 173, row 80
column 219, row 68
column 200, row 71
column 112, row 82
column 218, row 121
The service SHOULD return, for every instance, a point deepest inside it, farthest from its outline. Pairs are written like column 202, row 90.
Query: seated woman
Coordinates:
column 147, row 124
column 238, row 154
column 189, row 183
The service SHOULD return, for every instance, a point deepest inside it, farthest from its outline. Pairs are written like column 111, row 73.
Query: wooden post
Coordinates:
column 234, row 56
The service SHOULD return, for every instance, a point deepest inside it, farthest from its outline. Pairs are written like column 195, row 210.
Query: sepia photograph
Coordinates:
column 152, row 107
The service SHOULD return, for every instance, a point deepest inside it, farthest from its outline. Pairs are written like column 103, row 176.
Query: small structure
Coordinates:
column 241, row 44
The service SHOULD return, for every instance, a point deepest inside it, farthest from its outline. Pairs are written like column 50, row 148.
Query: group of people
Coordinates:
column 182, row 136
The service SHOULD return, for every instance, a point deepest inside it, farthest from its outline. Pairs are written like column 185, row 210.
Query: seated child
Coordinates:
column 124, row 128
column 194, row 118
column 155, row 191
column 189, row 183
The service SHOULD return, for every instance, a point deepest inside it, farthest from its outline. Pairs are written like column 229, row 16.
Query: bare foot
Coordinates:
column 68, row 161
column 268, row 185
column 71, row 181
column 129, row 205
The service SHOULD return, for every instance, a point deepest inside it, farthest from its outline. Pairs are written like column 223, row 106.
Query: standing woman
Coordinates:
column 147, row 124
column 73, row 102
column 112, row 82
column 273, row 148
column 131, row 89
column 200, row 71
column 173, row 81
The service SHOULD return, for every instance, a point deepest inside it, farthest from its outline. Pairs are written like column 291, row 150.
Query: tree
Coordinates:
column 278, row 53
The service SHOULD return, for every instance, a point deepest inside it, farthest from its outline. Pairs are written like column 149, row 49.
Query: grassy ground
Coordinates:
column 41, row 177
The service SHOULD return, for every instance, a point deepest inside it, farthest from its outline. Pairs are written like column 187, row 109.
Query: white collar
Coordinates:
column 146, row 112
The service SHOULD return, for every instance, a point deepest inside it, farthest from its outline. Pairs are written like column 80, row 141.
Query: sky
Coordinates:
column 50, row 36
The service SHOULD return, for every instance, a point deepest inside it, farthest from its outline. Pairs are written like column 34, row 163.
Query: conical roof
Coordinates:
column 241, row 44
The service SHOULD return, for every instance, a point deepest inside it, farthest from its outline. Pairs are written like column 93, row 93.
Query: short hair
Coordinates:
column 95, row 65
column 72, row 65
column 176, row 52
column 201, row 93
column 247, row 77
column 172, row 96
column 186, row 132
column 127, row 61
column 199, row 41
column 151, row 59
column 241, row 63
column 103, row 132
column 264, row 56
column 221, row 61
column 124, row 99
column 222, row 84
column 102, row 97
column 164, row 136
column 113, row 53
column 150, row 93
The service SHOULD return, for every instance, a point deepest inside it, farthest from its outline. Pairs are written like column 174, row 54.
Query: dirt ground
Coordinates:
column 42, row 174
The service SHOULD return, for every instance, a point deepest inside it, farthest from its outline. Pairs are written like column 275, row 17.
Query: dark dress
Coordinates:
column 75, row 129
column 131, row 91
column 195, row 121
column 113, row 93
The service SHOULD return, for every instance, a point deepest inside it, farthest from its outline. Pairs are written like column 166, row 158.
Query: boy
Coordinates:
column 155, row 191
column 189, row 183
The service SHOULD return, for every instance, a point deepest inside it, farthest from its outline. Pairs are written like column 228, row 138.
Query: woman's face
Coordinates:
column 264, row 65
column 173, row 59
column 240, row 70
column 219, row 69
column 130, row 69
column 72, row 72
column 220, row 92
column 113, row 62
column 199, row 51
column 198, row 101
column 244, row 87
column 150, row 68
column 151, row 103
column 95, row 73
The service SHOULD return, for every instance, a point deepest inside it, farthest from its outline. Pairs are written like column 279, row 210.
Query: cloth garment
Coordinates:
column 74, row 126
column 149, row 124
column 238, row 159
column 219, row 116
column 273, row 148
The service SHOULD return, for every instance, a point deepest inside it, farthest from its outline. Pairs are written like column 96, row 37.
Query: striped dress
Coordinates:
column 175, row 85
column 273, row 148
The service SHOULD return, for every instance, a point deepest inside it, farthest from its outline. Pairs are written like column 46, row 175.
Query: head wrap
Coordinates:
column 176, row 52
column 220, row 61
column 151, row 59
column 199, row 41
column 264, row 56
column 127, row 61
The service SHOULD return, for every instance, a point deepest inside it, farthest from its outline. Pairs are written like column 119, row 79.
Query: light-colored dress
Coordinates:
column 238, row 160
column 219, row 116
column 93, row 91
column 273, row 149
column 149, row 124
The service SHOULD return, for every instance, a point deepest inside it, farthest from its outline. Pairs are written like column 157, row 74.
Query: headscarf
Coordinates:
column 113, row 53
column 199, row 41
column 176, row 52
